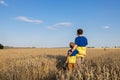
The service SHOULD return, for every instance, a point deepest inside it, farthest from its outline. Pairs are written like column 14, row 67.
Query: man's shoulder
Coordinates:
column 84, row 37
column 77, row 37
column 80, row 37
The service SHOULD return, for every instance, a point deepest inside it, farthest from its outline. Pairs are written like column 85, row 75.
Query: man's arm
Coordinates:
column 74, row 48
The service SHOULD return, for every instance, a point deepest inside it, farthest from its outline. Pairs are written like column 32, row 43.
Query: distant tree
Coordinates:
column 91, row 47
column 33, row 47
column 1, row 46
column 102, row 47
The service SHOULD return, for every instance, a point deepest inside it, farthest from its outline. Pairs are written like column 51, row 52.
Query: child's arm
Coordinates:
column 66, row 60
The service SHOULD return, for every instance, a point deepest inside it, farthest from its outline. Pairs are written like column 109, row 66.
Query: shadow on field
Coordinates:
column 60, row 61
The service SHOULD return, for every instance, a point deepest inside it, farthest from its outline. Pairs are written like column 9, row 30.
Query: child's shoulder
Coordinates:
column 70, row 50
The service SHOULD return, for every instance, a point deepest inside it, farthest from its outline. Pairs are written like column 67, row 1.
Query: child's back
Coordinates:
column 71, row 60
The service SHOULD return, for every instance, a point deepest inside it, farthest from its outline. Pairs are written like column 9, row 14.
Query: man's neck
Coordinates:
column 80, row 35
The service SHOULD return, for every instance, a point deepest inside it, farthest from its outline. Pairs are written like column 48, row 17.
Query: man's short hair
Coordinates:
column 80, row 31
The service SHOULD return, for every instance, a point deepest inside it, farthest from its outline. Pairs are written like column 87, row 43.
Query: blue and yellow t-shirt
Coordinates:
column 81, row 42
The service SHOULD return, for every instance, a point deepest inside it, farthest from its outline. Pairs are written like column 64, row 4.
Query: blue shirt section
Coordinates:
column 74, row 53
column 81, row 41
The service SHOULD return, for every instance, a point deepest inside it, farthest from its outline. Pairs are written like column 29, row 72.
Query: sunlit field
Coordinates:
column 48, row 64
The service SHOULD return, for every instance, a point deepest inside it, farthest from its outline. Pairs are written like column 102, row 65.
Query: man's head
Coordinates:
column 79, row 32
column 72, row 44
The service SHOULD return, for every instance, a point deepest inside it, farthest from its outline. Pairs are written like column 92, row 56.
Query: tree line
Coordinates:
column 1, row 46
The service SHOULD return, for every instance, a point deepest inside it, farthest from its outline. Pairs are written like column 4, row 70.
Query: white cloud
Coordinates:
column 2, row 2
column 25, row 19
column 60, row 25
column 106, row 27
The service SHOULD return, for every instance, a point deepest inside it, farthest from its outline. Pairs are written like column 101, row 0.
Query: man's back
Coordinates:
column 81, row 41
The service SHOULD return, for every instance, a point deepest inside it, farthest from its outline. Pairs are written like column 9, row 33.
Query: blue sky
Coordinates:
column 53, row 23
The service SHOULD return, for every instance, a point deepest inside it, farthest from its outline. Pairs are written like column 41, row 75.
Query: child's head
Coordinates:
column 72, row 44
column 79, row 32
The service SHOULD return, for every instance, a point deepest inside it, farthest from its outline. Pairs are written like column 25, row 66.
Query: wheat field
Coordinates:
column 47, row 64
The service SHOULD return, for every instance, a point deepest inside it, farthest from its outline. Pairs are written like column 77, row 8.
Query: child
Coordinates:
column 81, row 45
column 71, row 59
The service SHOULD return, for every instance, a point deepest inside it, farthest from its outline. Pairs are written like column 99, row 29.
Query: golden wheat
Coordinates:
column 48, row 64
